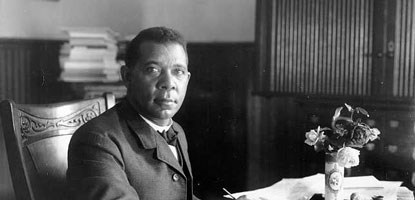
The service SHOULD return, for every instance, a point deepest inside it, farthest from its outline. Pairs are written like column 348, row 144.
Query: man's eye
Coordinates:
column 151, row 70
column 180, row 72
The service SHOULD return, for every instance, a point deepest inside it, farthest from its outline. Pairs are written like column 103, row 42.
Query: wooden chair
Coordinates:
column 37, row 139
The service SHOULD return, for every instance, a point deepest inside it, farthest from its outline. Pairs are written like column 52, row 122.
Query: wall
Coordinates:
column 198, row 20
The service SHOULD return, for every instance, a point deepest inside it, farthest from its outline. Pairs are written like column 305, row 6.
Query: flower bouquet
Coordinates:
column 339, row 143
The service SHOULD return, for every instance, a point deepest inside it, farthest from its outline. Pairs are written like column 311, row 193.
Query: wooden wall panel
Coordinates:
column 315, row 47
column 404, row 62
column 29, row 71
column 15, row 70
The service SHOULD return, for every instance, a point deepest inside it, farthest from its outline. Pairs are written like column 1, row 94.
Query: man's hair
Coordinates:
column 160, row 35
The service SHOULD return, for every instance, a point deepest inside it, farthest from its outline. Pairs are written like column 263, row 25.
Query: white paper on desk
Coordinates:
column 304, row 188
column 288, row 189
column 361, row 182
column 387, row 189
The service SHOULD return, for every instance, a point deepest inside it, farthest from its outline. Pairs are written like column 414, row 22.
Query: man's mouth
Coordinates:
column 165, row 102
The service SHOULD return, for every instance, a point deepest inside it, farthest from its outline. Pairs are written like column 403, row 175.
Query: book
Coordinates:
column 88, row 79
column 92, row 43
column 87, row 52
column 85, row 41
column 91, row 32
column 107, row 60
column 93, row 64
column 69, row 77
column 105, row 88
column 92, row 71
column 117, row 95
column 92, row 90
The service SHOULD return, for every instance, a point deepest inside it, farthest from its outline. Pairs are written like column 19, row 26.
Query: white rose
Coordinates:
column 374, row 134
column 348, row 157
column 312, row 137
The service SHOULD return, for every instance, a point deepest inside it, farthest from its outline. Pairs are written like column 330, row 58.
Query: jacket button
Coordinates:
column 175, row 177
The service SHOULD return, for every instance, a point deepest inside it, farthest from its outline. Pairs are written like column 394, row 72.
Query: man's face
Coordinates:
column 157, row 84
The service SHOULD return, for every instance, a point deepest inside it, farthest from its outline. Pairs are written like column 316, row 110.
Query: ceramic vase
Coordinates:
column 334, row 176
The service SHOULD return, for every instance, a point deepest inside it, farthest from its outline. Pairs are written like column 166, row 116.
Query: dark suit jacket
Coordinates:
column 118, row 156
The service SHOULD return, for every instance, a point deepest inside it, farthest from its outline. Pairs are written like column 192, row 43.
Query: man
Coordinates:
column 121, row 154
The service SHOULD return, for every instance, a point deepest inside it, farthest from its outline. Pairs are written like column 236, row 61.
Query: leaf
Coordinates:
column 348, row 107
column 325, row 129
column 363, row 111
column 337, row 113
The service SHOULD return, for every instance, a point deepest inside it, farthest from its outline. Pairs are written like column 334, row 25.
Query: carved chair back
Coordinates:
column 37, row 139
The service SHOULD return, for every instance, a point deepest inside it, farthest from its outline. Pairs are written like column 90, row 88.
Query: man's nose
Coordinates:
column 166, row 81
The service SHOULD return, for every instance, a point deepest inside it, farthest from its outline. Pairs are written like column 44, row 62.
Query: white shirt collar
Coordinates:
column 161, row 129
column 155, row 126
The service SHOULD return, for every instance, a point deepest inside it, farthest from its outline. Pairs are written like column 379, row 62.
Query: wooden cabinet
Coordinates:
column 314, row 56
column 336, row 48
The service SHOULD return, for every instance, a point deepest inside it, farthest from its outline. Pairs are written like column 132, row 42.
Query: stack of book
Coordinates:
column 90, row 56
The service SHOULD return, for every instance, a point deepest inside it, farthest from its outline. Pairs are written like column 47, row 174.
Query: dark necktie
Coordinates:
column 170, row 136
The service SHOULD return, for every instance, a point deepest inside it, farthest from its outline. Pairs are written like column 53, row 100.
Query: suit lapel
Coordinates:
column 150, row 139
column 186, row 159
column 165, row 155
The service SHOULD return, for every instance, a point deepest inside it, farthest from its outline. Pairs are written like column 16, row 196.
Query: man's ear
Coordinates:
column 125, row 74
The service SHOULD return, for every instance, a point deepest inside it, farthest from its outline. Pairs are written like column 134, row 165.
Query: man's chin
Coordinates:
column 166, row 114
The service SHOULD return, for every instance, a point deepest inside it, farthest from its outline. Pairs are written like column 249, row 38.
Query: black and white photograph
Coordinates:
column 207, row 99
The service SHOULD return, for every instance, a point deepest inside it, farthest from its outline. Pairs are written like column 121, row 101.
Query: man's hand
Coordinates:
column 243, row 197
